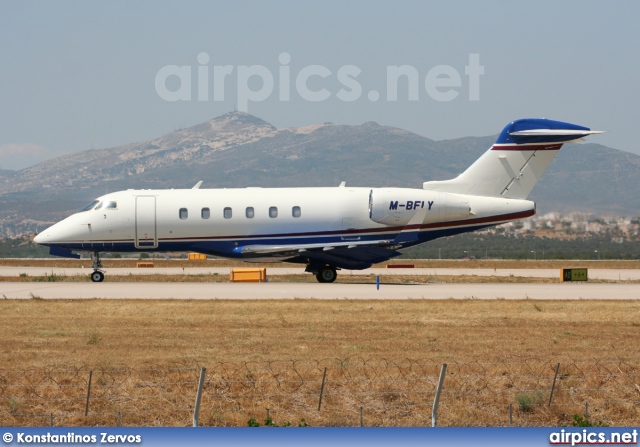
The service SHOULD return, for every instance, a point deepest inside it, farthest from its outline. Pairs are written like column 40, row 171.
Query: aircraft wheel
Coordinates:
column 97, row 276
column 326, row 274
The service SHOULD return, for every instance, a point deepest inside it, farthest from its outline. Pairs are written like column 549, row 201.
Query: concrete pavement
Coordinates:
column 336, row 291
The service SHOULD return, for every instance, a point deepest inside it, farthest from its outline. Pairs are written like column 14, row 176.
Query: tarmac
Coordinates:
column 366, row 290
column 335, row 291
column 604, row 274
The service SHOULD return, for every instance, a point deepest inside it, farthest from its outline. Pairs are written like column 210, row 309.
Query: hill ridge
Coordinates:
column 239, row 150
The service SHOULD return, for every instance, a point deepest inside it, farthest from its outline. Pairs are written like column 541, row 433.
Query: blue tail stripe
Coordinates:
column 536, row 123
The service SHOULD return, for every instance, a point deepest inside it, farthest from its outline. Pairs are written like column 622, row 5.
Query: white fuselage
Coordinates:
column 229, row 222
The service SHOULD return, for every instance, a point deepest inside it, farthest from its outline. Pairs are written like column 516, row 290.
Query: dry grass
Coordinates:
column 418, row 263
column 44, row 333
column 485, row 342
column 307, row 278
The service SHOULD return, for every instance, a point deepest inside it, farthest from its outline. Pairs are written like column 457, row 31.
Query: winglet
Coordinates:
column 197, row 185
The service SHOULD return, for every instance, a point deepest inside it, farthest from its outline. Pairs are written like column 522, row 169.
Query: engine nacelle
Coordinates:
column 397, row 206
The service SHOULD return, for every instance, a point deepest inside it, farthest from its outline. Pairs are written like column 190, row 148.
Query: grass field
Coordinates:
column 303, row 278
column 500, row 353
column 41, row 336
column 343, row 276
column 41, row 333
column 419, row 263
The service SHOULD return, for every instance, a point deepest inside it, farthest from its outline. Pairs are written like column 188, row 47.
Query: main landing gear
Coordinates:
column 323, row 272
column 96, row 264
column 326, row 274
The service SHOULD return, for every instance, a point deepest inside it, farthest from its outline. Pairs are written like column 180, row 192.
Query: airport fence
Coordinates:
column 330, row 392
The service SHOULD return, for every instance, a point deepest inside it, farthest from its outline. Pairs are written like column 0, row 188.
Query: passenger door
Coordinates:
column 146, row 236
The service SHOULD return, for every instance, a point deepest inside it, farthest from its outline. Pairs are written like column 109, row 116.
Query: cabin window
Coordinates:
column 249, row 212
column 273, row 211
column 205, row 213
column 227, row 213
column 184, row 213
column 295, row 211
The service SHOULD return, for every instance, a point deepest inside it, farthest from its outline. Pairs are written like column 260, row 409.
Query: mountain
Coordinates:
column 591, row 178
column 89, row 168
column 237, row 150
column 5, row 174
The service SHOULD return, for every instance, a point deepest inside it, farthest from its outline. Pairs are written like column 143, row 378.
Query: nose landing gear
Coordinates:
column 97, row 276
column 96, row 264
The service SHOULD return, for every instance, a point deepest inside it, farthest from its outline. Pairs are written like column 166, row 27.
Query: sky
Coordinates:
column 77, row 75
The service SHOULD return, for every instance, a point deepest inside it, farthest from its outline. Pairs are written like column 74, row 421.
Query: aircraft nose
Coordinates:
column 45, row 236
column 38, row 239
column 62, row 232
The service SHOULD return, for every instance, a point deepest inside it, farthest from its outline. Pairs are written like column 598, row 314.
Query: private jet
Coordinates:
column 327, row 228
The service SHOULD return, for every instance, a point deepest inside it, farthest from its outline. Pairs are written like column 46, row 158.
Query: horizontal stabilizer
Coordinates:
column 541, row 131
column 547, row 132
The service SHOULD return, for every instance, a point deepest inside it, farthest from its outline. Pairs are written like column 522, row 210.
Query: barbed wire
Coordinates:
column 347, row 363
column 395, row 391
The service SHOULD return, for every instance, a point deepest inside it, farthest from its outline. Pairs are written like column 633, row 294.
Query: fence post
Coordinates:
column 586, row 410
column 510, row 414
column 86, row 408
column 119, row 419
column 554, row 384
column 196, row 410
column 434, row 410
column 51, row 420
column 324, row 376
column 361, row 420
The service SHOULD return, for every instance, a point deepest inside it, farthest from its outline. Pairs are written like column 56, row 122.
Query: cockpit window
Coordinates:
column 90, row 206
column 107, row 206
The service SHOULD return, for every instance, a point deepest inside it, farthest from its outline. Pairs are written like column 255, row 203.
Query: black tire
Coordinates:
column 327, row 274
column 97, row 276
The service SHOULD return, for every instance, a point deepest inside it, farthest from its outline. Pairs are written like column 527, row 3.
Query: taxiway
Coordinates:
column 336, row 291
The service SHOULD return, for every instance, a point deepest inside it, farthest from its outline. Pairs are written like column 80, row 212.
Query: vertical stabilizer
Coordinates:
column 517, row 160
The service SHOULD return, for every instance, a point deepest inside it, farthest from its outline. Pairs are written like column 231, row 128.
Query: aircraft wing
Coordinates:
column 345, row 254
column 290, row 248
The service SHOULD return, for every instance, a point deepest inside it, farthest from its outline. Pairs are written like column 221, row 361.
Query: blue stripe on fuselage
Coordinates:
column 228, row 248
